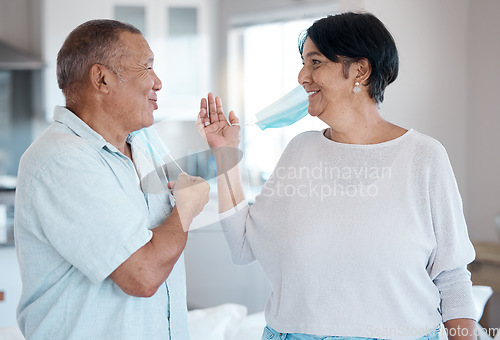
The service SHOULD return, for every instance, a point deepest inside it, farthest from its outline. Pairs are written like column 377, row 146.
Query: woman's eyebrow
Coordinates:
column 310, row 54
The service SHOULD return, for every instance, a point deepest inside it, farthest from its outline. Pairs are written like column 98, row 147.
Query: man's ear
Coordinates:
column 363, row 70
column 99, row 78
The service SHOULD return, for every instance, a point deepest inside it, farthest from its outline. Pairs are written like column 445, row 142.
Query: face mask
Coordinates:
column 287, row 110
column 152, row 162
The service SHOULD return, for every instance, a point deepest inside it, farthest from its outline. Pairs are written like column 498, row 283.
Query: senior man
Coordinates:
column 99, row 258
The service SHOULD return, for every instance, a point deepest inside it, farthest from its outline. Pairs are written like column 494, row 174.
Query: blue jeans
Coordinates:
column 271, row 334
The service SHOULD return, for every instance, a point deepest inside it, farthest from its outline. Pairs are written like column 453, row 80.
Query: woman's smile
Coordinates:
column 312, row 93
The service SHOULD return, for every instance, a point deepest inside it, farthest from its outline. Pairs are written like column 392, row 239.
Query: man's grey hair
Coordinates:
column 93, row 42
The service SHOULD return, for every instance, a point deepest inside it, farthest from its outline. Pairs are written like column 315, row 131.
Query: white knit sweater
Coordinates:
column 358, row 240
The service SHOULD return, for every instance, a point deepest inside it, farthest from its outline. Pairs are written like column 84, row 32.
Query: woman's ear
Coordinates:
column 99, row 77
column 363, row 70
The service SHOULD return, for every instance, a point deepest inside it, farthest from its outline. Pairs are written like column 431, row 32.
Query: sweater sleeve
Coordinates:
column 233, row 224
column 448, row 265
column 235, row 221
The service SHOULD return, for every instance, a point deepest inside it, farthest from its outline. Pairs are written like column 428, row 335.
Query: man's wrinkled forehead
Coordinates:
column 135, row 45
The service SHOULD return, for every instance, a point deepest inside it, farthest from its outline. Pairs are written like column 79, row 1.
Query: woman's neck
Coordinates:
column 360, row 126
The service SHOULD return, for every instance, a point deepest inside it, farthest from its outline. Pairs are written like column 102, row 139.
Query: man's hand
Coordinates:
column 146, row 269
column 191, row 195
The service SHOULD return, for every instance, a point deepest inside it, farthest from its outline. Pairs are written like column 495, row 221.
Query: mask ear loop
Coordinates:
column 163, row 149
column 254, row 122
column 164, row 178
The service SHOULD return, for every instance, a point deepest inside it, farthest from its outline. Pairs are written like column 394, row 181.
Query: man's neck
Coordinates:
column 101, row 122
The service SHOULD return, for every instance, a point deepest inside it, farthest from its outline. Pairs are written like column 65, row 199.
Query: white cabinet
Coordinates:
column 213, row 279
column 178, row 32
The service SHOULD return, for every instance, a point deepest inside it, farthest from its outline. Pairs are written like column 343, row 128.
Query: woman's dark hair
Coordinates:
column 349, row 37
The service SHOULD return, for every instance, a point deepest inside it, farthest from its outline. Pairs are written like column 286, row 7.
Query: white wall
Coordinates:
column 447, row 50
column 430, row 94
column 483, row 121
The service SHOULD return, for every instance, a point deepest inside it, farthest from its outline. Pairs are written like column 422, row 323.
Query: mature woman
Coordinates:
column 360, row 228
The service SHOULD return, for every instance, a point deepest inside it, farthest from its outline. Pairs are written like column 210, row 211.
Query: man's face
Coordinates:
column 134, row 95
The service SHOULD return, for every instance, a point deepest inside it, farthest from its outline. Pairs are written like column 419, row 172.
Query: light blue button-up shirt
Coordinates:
column 79, row 214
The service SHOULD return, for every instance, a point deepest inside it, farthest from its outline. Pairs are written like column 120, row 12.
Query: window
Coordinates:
column 178, row 34
column 183, row 67
column 264, row 63
column 134, row 15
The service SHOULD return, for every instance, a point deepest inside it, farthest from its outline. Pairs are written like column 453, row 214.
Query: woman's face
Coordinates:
column 324, row 81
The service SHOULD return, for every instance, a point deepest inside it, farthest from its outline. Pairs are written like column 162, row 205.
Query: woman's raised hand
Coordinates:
column 213, row 125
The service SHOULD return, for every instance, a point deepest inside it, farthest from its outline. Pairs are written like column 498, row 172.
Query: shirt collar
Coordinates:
column 81, row 129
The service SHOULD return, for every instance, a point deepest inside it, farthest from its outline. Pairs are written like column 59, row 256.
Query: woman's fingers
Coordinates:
column 211, row 112
column 202, row 120
column 220, row 111
column 232, row 118
column 212, row 108
column 203, row 108
column 200, row 124
column 205, row 120
column 203, row 104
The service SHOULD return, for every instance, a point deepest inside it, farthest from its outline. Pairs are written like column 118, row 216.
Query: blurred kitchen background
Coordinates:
column 246, row 52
